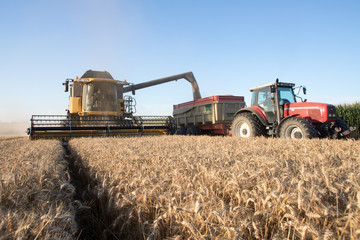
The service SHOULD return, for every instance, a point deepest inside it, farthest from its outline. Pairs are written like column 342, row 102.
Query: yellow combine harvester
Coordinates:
column 98, row 107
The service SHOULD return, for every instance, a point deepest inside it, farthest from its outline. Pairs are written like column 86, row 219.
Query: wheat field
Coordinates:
column 179, row 187
column 36, row 196
column 182, row 187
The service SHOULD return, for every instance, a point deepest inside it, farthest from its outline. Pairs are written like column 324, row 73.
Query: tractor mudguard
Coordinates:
column 254, row 110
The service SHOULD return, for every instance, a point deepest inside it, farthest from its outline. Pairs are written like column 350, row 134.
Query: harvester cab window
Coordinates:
column 100, row 96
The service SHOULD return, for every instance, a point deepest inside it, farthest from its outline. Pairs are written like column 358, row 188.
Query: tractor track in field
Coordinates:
column 92, row 221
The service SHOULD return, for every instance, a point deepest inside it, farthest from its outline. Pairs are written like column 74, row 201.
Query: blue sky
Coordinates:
column 230, row 46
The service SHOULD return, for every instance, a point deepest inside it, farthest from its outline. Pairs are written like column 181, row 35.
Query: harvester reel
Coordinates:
column 138, row 121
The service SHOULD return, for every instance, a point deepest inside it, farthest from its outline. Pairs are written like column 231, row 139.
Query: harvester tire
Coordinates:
column 192, row 130
column 172, row 128
column 298, row 128
column 247, row 125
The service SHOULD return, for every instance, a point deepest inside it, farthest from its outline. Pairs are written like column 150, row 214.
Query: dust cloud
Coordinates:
column 13, row 129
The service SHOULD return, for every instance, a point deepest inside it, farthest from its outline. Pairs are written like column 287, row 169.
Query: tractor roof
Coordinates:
column 280, row 84
column 97, row 74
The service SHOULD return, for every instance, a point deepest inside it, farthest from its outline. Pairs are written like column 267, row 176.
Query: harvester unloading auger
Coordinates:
column 98, row 107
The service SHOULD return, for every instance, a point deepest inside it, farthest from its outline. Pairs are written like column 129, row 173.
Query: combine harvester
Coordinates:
column 98, row 107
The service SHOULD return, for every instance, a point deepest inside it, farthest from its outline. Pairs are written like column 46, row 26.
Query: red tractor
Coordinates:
column 274, row 111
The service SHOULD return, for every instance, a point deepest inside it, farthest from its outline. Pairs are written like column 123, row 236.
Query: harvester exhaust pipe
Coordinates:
column 189, row 76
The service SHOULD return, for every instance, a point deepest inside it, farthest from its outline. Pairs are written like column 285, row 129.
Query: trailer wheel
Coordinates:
column 180, row 131
column 246, row 125
column 192, row 130
column 298, row 128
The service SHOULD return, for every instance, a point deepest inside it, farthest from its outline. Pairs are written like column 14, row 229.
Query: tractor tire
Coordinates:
column 247, row 125
column 192, row 130
column 298, row 128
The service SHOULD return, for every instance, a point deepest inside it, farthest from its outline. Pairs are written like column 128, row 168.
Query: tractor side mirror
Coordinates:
column 304, row 90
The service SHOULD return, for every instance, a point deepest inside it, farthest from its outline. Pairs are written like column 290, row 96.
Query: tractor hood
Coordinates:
column 315, row 112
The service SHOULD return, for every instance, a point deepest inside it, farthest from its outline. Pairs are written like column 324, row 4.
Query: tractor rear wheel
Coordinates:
column 246, row 125
column 298, row 128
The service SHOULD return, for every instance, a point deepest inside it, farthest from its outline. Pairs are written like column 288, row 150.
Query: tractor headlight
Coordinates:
column 331, row 111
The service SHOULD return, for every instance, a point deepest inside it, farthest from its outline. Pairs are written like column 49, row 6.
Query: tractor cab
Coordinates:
column 267, row 97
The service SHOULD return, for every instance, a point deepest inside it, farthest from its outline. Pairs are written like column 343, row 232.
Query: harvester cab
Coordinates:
column 274, row 111
column 96, row 94
column 98, row 107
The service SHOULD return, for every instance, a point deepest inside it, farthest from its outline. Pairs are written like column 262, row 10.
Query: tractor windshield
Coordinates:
column 286, row 94
column 100, row 96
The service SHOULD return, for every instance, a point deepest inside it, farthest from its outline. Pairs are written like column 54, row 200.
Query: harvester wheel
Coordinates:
column 192, row 130
column 171, row 124
column 298, row 128
column 246, row 125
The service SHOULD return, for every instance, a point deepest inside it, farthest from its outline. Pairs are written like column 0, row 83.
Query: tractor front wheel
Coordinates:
column 298, row 128
column 246, row 125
